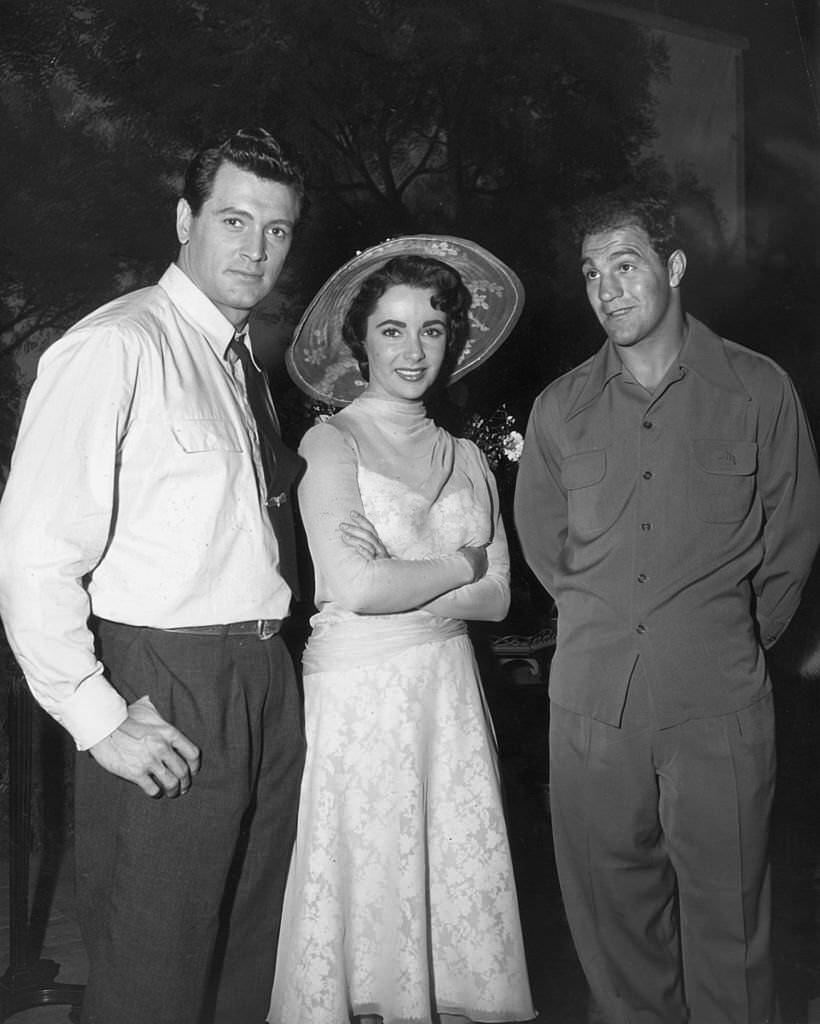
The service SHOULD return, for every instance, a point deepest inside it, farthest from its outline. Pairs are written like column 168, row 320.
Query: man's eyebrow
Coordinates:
column 618, row 254
column 230, row 208
column 627, row 250
column 240, row 211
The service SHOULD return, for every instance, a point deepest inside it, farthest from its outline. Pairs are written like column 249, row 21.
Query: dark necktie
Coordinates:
column 281, row 466
column 266, row 428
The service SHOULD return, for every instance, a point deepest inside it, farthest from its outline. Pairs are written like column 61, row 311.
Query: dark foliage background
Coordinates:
column 468, row 117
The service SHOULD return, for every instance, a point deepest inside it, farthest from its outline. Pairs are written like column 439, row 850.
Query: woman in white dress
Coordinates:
column 401, row 904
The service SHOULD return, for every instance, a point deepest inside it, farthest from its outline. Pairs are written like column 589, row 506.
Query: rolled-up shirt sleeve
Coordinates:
column 56, row 516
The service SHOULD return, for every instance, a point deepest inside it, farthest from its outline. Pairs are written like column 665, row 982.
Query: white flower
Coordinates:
column 513, row 445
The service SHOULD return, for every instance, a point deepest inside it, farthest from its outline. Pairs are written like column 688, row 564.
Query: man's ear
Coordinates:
column 184, row 218
column 676, row 267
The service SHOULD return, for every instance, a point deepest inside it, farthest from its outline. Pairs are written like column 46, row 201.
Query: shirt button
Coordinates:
column 642, row 577
column 647, row 474
column 640, row 629
column 647, row 424
column 646, row 527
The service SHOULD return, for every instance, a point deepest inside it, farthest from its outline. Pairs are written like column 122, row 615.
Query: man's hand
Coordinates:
column 149, row 752
column 360, row 533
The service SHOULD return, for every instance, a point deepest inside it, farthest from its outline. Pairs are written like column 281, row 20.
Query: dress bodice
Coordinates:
column 427, row 494
column 410, row 526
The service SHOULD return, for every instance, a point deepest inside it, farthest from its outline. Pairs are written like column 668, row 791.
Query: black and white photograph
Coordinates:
column 409, row 511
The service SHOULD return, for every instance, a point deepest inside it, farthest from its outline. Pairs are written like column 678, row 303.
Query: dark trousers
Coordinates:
column 661, row 846
column 179, row 898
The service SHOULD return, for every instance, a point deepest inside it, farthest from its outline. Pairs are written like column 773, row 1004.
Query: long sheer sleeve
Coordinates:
column 328, row 493
column 488, row 599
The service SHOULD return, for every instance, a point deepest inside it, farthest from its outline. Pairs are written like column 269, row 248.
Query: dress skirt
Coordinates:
column 401, row 899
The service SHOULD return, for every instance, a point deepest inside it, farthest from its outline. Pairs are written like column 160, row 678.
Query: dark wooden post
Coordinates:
column 29, row 980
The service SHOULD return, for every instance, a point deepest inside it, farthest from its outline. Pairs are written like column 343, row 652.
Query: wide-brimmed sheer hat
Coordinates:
column 322, row 365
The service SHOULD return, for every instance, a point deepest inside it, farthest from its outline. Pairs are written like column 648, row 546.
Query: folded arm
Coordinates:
column 488, row 599
column 357, row 578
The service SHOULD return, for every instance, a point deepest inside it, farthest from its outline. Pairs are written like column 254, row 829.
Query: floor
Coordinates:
column 520, row 711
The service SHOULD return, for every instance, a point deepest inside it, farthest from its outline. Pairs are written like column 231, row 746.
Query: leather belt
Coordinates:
column 262, row 629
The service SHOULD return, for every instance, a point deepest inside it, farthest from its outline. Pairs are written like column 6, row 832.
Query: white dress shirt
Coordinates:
column 133, row 495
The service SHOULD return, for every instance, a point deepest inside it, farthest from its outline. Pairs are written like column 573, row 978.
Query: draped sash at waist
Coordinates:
column 342, row 642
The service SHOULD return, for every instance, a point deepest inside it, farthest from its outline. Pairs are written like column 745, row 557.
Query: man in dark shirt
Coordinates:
column 667, row 499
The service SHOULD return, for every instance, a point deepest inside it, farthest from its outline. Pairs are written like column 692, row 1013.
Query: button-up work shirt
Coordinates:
column 676, row 527
column 134, row 494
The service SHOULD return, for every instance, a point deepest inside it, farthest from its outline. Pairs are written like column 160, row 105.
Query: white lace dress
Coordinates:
column 401, row 900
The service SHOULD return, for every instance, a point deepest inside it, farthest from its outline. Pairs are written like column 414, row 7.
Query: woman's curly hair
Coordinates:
column 450, row 296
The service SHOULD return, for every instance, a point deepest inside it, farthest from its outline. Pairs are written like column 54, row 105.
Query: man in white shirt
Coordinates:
column 144, row 547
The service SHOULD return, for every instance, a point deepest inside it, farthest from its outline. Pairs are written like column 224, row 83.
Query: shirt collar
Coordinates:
column 703, row 352
column 603, row 366
column 199, row 311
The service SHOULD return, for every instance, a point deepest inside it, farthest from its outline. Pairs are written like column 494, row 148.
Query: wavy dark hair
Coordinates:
column 655, row 213
column 250, row 149
column 450, row 296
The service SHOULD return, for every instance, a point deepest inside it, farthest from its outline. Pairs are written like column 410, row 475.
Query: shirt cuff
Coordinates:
column 92, row 712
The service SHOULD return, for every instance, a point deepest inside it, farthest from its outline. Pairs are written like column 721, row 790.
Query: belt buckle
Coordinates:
column 265, row 629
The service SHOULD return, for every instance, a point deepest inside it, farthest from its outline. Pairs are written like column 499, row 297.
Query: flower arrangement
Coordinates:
column 496, row 435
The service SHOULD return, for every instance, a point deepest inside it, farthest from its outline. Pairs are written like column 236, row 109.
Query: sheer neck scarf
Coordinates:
column 399, row 440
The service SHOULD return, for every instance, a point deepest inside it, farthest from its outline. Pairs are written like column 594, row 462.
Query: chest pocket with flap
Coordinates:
column 722, row 478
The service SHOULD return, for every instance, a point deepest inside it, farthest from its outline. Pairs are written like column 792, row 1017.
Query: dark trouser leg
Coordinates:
column 253, row 908
column 650, row 824
column 717, row 786
column 617, row 883
column 151, row 873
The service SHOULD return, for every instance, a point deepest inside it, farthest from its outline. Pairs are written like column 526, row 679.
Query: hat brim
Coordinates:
column 320, row 363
